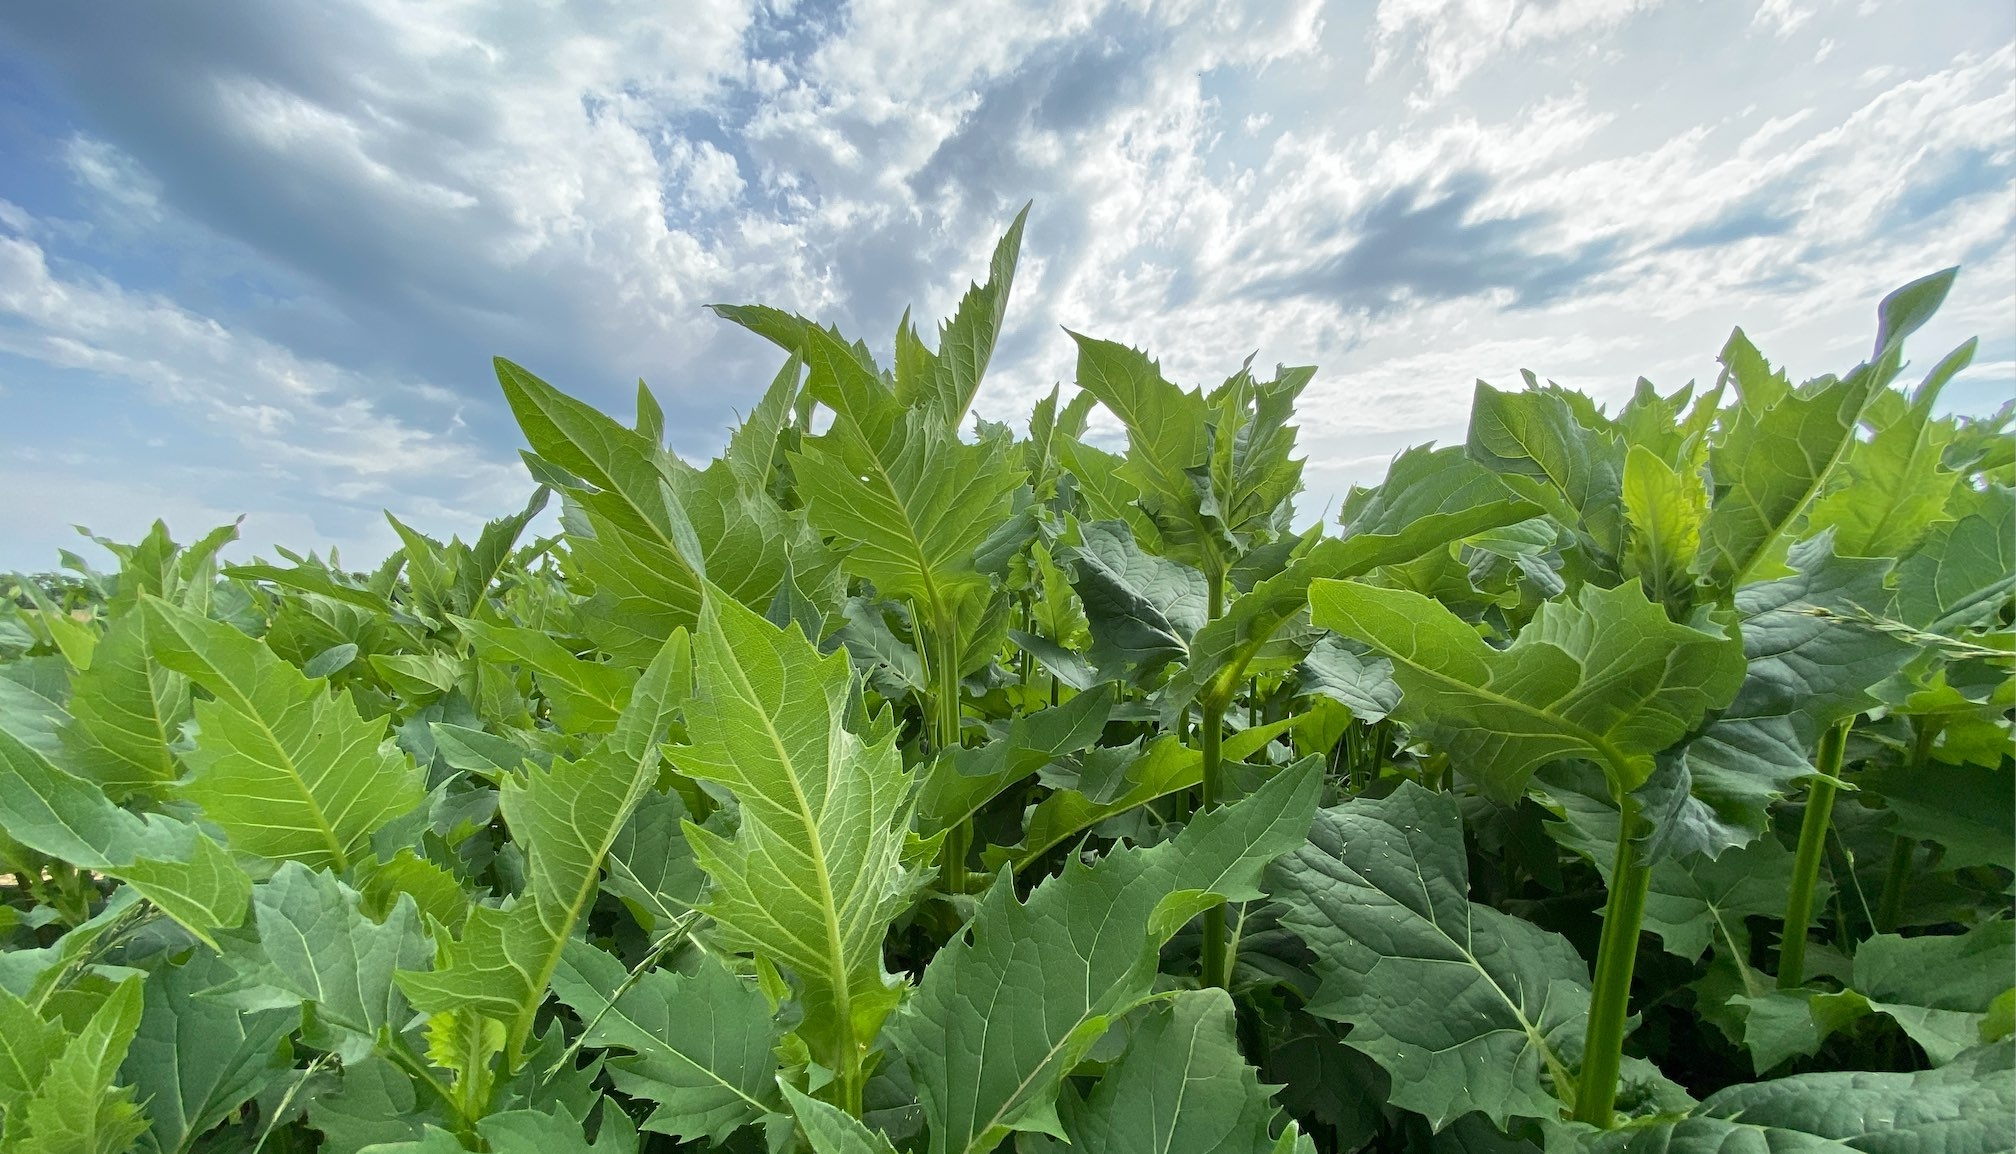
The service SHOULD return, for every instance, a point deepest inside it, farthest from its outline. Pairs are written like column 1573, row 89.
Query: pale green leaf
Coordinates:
column 820, row 861
column 286, row 769
column 170, row 863
column 1605, row 676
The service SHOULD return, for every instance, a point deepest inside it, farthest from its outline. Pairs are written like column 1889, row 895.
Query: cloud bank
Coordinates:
column 255, row 256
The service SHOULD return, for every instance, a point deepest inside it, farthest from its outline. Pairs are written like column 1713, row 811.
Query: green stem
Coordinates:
column 1890, row 906
column 1903, row 853
column 402, row 1055
column 945, row 738
column 1616, row 957
column 1806, row 862
column 1216, row 964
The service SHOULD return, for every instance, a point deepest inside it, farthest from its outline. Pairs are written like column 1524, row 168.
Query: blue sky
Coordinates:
column 255, row 255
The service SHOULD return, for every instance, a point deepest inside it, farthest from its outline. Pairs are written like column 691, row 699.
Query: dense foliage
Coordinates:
column 1621, row 782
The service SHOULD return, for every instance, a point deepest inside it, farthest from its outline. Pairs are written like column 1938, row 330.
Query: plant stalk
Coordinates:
column 1616, row 958
column 1216, row 963
column 1904, row 853
column 945, row 738
column 1806, row 863
column 1217, row 966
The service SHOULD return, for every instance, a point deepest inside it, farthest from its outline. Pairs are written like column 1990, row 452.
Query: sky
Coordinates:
column 256, row 255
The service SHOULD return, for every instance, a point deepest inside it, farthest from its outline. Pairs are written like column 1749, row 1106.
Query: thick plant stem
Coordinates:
column 946, row 710
column 1616, row 957
column 1806, row 863
column 1216, row 965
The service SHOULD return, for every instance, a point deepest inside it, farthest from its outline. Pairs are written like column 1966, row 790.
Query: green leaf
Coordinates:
column 1962, row 574
column 543, row 1132
column 1965, row 1107
column 170, row 863
column 1430, row 498
column 1003, row 1015
column 1969, row 810
column 286, row 769
column 1664, row 508
column 699, row 1047
column 1182, row 1087
column 1772, row 459
column 128, row 709
column 632, row 508
column 373, row 1104
column 1130, row 780
column 966, row 343
column 1894, row 485
column 586, row 696
column 1939, row 987
column 27, row 1046
column 1605, row 676
column 957, row 785
column 317, row 946
column 821, row 860
column 1142, row 609
column 75, row 1108
column 651, row 865
column 911, row 510
column 1466, row 1007
column 832, row 1130
column 1534, row 441
column 1695, row 899
column 196, row 1059
column 566, row 819
column 1168, row 435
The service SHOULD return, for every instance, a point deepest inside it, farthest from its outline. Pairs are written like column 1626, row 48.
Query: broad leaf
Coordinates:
column 196, row 1059
column 1182, row 1087
column 170, row 863
column 1077, row 954
column 286, row 769
column 1605, row 676
column 1466, row 1007
column 698, row 1048
column 821, row 859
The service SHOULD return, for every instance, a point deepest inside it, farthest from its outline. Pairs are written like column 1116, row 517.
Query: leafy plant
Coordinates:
column 898, row 783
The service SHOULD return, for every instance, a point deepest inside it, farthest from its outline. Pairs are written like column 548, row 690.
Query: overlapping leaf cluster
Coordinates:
column 901, row 781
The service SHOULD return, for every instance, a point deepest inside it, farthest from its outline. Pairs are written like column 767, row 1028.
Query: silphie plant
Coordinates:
column 1610, row 782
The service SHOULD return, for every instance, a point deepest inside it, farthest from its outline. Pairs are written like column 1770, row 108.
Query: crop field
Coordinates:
column 899, row 781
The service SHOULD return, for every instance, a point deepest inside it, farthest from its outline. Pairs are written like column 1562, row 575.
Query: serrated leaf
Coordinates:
column 566, row 818
column 1535, row 441
column 1077, row 954
column 1182, row 1087
column 1694, row 899
column 1168, row 435
column 127, row 710
column 75, row 1108
column 1772, row 459
column 550, row 1132
column 820, row 860
column 911, row 509
column 699, row 1047
column 1605, row 676
column 635, row 509
column 1430, row 498
column 586, row 696
column 170, row 863
column 1466, row 1007
column 1965, row 1107
column 955, row 786
column 832, row 1130
column 287, row 770
column 196, row 1059
column 1142, row 609
column 1962, row 573
column 316, row 946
